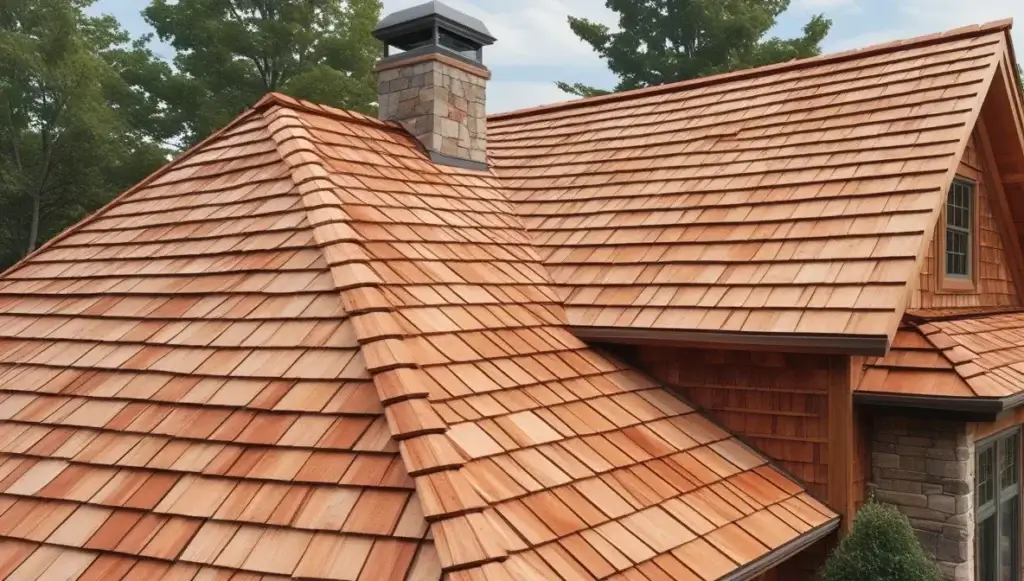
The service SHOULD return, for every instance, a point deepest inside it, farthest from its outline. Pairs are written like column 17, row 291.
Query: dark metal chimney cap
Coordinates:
column 402, row 22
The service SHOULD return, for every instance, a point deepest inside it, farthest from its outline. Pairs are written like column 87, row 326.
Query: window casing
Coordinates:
column 998, row 508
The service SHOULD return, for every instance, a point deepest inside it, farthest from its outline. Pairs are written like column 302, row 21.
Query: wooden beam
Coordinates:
column 841, row 438
column 1013, row 178
column 1003, row 215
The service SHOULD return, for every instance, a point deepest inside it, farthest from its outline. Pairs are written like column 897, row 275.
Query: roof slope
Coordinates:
column 976, row 357
column 182, row 393
column 793, row 199
column 267, row 348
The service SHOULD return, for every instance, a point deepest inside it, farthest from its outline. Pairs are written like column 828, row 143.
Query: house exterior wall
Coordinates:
column 994, row 286
column 925, row 467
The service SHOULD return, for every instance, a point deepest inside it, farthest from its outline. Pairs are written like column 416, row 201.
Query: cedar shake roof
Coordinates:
column 975, row 357
column 304, row 351
column 914, row 366
column 792, row 200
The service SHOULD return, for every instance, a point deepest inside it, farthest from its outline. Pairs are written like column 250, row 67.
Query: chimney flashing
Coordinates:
column 442, row 159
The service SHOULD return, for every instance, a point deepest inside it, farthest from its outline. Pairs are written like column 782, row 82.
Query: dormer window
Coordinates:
column 959, row 229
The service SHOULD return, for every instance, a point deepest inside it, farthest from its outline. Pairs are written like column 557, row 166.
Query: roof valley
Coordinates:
column 450, row 503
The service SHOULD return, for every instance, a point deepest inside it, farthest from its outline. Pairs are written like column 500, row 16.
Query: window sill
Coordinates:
column 949, row 285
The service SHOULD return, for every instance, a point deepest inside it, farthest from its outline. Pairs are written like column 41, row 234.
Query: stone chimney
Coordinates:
column 435, row 84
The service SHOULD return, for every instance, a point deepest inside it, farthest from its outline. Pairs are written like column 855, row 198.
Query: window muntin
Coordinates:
column 959, row 229
column 998, row 511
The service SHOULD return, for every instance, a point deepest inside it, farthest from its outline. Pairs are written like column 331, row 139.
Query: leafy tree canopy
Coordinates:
column 663, row 41
column 880, row 547
column 74, row 127
column 232, row 52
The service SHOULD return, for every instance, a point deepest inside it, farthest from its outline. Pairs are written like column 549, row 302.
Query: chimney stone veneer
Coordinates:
column 441, row 102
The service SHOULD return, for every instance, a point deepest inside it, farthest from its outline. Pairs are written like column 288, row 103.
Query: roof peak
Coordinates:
column 743, row 74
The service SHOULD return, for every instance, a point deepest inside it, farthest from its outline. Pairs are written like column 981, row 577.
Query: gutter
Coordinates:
column 979, row 409
column 873, row 345
column 784, row 553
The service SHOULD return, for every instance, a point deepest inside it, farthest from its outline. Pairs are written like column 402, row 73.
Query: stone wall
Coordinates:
column 442, row 105
column 926, row 468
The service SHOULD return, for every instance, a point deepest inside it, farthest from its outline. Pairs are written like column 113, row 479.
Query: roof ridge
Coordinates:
column 273, row 99
column 451, row 504
column 743, row 74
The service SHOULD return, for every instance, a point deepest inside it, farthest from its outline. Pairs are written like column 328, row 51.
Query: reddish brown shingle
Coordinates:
column 183, row 356
column 303, row 350
column 970, row 356
column 792, row 199
column 249, row 363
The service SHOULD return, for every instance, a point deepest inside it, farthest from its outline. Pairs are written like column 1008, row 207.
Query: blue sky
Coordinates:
column 535, row 46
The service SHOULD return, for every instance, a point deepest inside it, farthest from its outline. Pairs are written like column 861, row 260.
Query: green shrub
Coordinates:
column 880, row 547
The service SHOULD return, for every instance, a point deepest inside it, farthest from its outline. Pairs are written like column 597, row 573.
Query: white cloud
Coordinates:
column 933, row 15
column 818, row 5
column 511, row 95
column 919, row 17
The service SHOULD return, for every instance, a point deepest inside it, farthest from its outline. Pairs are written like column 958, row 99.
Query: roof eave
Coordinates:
column 835, row 344
column 975, row 409
column 783, row 553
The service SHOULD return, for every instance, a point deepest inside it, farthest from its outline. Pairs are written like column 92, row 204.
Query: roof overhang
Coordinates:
column 783, row 553
column 874, row 345
column 974, row 409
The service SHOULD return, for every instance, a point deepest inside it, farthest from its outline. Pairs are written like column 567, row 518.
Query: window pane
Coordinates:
column 1009, row 541
column 958, row 228
column 986, row 476
column 998, row 512
column 1010, row 468
column 987, row 550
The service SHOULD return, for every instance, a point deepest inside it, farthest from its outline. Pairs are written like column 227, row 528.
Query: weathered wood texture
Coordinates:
column 995, row 287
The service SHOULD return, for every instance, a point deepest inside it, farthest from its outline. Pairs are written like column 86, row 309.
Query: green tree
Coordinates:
column 232, row 52
column 663, row 41
column 71, row 130
column 880, row 547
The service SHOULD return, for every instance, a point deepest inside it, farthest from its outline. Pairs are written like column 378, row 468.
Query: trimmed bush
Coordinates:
column 880, row 547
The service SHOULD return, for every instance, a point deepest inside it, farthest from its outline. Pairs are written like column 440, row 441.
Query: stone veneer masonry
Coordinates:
column 926, row 468
column 442, row 105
